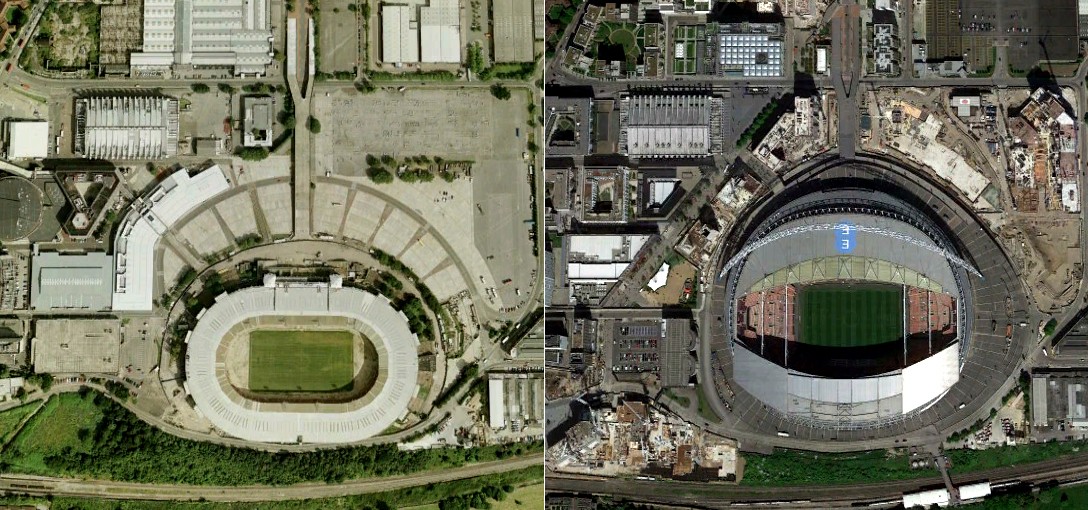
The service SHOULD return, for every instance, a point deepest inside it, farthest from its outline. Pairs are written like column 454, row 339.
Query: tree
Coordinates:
column 200, row 88
column 226, row 88
column 379, row 175
column 313, row 125
column 500, row 91
column 251, row 153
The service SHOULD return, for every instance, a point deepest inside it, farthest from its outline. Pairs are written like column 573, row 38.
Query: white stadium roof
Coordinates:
column 148, row 219
column 247, row 419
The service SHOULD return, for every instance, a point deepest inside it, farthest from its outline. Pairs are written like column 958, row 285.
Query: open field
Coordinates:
column 11, row 419
column 67, row 37
column 51, row 431
column 338, row 37
column 795, row 467
column 288, row 360
column 850, row 315
column 530, row 497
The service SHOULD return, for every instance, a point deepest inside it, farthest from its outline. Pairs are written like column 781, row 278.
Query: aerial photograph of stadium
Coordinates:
column 815, row 255
column 270, row 255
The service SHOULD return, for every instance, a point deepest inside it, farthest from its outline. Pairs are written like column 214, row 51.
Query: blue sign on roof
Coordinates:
column 845, row 237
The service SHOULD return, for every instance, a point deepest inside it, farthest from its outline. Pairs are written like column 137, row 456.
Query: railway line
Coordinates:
column 1062, row 470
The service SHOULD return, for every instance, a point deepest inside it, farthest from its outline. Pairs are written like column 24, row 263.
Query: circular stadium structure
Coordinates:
column 20, row 208
column 301, row 363
column 852, row 303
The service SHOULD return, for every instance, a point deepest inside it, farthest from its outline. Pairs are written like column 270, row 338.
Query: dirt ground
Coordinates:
column 338, row 36
column 673, row 290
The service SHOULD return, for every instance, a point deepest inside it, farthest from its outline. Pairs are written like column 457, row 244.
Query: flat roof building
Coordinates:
column 440, row 32
column 126, row 127
column 400, row 35
column 679, row 126
column 751, row 49
column 71, row 281
column 513, row 20
column 205, row 33
column 257, row 115
column 77, row 346
column 28, row 139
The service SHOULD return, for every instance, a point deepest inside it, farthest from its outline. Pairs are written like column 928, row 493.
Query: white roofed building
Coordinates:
column 28, row 139
column 440, row 32
column 400, row 35
column 148, row 220
column 126, row 127
column 205, row 33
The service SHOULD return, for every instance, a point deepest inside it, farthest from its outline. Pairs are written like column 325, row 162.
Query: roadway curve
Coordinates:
column 106, row 489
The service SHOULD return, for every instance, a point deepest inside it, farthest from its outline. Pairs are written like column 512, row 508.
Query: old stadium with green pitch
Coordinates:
column 850, row 315
column 300, row 361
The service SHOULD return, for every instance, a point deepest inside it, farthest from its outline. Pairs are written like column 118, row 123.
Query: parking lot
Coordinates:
column 338, row 37
column 454, row 124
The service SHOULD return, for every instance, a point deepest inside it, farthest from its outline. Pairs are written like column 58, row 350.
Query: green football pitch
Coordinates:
column 310, row 361
column 850, row 316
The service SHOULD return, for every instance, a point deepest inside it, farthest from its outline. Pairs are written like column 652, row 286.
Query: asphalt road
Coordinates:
column 40, row 485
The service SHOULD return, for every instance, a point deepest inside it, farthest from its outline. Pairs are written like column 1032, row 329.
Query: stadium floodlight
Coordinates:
column 822, row 227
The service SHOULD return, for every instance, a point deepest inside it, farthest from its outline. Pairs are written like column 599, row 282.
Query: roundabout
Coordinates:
column 301, row 363
column 857, row 303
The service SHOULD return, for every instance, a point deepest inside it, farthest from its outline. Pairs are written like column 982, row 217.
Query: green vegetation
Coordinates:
column 850, row 316
column 510, row 71
column 200, row 88
column 764, row 115
column 1050, row 326
column 795, row 467
column 960, row 435
column 292, row 360
column 403, row 498
column 251, row 153
column 683, row 401
column 313, row 125
column 500, row 92
column 248, row 241
column 226, row 88
column 965, row 460
column 66, row 39
column 466, row 375
column 474, row 60
column 61, row 427
column 379, row 175
column 1048, row 498
column 704, row 407
column 10, row 420
column 89, row 435
column 418, row 75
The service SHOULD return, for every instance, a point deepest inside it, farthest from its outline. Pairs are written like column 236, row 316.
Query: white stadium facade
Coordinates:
column 847, row 242
column 285, row 422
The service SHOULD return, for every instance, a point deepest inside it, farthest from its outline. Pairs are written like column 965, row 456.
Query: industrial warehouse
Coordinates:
column 126, row 127
column 205, row 33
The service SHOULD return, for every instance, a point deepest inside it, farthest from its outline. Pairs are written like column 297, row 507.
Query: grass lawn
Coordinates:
column 530, row 497
column 683, row 401
column 794, row 467
column 311, row 361
column 850, row 315
column 51, row 430
column 11, row 419
column 704, row 408
column 964, row 460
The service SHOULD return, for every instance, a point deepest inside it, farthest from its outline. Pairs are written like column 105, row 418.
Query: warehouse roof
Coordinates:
column 440, row 32
column 71, row 281
column 28, row 139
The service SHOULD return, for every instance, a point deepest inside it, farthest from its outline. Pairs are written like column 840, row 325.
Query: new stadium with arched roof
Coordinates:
column 848, row 309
